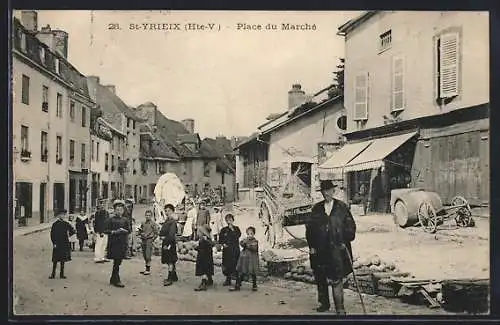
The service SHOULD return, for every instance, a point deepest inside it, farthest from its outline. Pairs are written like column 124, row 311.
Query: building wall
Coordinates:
column 35, row 171
column 414, row 37
column 301, row 138
column 132, row 146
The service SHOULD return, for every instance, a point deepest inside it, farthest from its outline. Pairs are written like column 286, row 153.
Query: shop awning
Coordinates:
column 341, row 157
column 374, row 155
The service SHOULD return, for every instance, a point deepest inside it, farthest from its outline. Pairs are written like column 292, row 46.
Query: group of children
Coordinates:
column 236, row 263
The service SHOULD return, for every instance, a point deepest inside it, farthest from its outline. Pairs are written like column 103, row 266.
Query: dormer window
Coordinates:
column 42, row 54
column 23, row 41
column 56, row 65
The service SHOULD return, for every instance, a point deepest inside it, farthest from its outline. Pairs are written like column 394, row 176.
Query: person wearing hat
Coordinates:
column 82, row 233
column 329, row 233
column 204, row 259
column 169, row 245
column 60, row 232
column 117, row 228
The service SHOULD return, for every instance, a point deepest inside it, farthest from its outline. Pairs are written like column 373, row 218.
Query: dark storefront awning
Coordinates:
column 341, row 157
column 374, row 155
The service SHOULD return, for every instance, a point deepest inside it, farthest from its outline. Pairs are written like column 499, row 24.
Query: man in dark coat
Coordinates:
column 117, row 227
column 61, row 249
column 100, row 217
column 81, row 229
column 329, row 232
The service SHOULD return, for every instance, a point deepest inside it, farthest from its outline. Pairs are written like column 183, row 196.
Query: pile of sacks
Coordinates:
column 187, row 251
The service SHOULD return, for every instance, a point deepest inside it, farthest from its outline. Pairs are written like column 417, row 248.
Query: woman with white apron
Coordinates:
column 187, row 232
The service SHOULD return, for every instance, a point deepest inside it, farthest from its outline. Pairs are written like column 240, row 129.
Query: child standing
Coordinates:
column 248, row 263
column 204, row 258
column 148, row 232
column 169, row 246
column 229, row 239
column 72, row 238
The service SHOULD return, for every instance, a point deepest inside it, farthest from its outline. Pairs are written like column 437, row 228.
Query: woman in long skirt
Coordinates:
column 229, row 239
column 187, row 232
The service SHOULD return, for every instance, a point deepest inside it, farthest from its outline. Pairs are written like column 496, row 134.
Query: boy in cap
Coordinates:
column 60, row 232
column 148, row 232
column 117, row 228
column 169, row 246
column 329, row 232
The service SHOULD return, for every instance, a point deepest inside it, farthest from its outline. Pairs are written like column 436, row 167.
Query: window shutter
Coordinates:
column 448, row 65
column 361, row 97
column 398, row 84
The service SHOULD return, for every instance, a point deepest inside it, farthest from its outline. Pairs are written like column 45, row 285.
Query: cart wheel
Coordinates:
column 463, row 211
column 266, row 218
column 427, row 217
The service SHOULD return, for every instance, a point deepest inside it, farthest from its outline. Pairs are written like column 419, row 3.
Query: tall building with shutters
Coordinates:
column 417, row 102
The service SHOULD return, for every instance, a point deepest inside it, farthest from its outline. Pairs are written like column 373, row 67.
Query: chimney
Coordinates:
column 188, row 124
column 296, row 96
column 29, row 19
column 46, row 37
column 111, row 88
column 61, row 42
column 94, row 79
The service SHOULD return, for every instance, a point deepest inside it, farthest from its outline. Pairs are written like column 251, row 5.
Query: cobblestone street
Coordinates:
column 86, row 290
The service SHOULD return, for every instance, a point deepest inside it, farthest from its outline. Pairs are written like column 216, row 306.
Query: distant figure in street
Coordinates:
column 363, row 193
column 129, row 205
column 329, row 233
column 229, row 238
column 248, row 263
column 148, row 232
column 202, row 217
column 72, row 238
column 101, row 242
column 61, row 250
column 204, row 259
column 81, row 229
column 117, row 228
column 169, row 246
column 217, row 223
column 187, row 231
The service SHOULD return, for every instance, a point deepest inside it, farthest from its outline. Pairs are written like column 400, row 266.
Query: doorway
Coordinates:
column 72, row 195
column 58, row 194
column 24, row 198
column 43, row 195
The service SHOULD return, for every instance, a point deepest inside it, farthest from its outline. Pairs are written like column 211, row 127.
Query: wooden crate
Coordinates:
column 387, row 288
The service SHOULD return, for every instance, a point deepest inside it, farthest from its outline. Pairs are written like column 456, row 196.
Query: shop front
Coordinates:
column 370, row 169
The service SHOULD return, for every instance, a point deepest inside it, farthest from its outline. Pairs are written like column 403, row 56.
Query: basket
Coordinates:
column 388, row 288
column 366, row 284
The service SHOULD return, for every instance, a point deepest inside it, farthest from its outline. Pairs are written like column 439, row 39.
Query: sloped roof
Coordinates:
column 222, row 149
column 189, row 138
column 158, row 149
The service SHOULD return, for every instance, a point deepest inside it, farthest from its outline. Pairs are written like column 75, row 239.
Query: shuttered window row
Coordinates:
column 448, row 75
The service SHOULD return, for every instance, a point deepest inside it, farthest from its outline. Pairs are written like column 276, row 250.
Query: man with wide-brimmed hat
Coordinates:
column 329, row 233
column 60, row 232
column 129, row 209
column 117, row 227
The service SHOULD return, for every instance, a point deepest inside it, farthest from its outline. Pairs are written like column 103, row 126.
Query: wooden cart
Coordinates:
column 430, row 218
column 285, row 206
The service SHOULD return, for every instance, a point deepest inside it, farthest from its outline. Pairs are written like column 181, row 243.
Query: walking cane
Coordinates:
column 354, row 278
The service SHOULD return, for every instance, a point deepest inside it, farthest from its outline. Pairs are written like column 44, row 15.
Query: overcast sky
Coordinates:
column 227, row 80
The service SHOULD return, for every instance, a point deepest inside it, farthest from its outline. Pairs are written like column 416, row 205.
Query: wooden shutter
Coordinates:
column 398, row 84
column 448, row 65
column 361, row 96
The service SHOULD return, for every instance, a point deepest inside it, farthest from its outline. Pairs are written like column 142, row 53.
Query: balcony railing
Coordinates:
column 45, row 106
column 25, row 155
